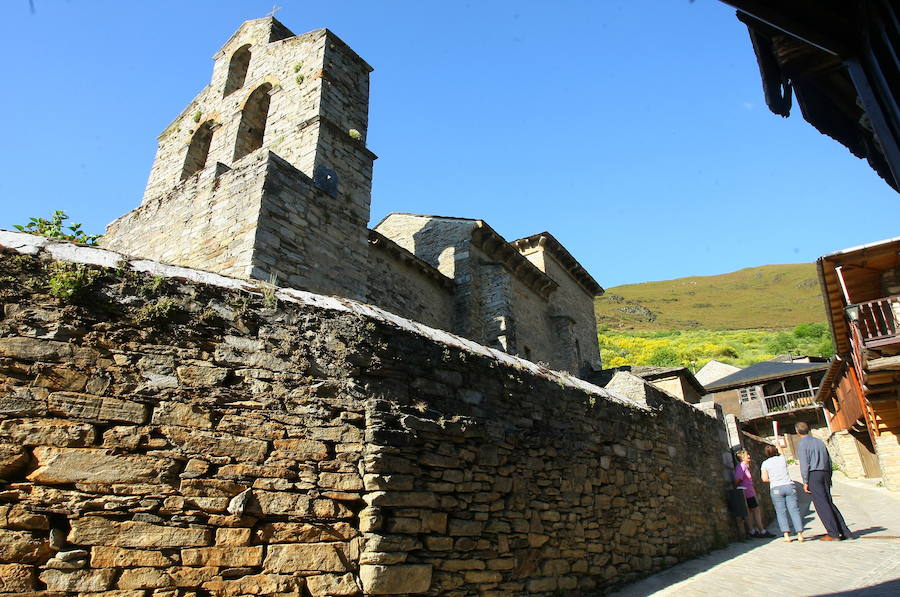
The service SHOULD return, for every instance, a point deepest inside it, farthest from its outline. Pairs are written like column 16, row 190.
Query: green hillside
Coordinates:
column 769, row 297
column 739, row 318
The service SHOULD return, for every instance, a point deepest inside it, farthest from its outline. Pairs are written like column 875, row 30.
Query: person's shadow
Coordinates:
column 808, row 513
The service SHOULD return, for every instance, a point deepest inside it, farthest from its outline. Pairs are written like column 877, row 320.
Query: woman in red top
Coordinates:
column 743, row 480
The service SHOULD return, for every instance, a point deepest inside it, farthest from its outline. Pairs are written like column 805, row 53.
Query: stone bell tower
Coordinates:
column 266, row 172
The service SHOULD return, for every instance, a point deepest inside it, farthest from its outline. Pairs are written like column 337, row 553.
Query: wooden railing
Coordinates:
column 790, row 400
column 879, row 321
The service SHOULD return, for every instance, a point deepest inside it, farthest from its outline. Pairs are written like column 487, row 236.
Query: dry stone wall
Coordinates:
column 167, row 437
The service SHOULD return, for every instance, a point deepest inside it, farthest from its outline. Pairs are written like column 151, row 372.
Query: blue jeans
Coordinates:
column 784, row 498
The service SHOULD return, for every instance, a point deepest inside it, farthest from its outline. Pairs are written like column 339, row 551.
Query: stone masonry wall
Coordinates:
column 169, row 437
column 401, row 288
column 887, row 447
column 209, row 222
column 306, row 238
column 844, row 454
column 571, row 300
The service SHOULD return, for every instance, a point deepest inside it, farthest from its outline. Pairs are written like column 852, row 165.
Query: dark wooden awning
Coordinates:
column 841, row 60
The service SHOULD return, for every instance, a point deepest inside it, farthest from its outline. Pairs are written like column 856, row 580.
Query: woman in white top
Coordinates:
column 783, row 492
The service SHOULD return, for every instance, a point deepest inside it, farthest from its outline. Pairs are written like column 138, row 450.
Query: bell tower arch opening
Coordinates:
column 198, row 150
column 237, row 70
column 252, row 128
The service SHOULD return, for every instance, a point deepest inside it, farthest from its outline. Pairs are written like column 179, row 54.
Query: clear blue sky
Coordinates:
column 635, row 131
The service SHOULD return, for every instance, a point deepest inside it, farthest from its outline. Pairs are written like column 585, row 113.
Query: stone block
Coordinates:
column 96, row 530
column 57, row 466
column 22, row 547
column 13, row 461
column 541, row 585
column 277, row 503
column 459, row 527
column 438, row 543
column 408, row 526
column 117, row 557
column 78, row 581
column 402, row 579
column 482, row 576
column 233, row 537
column 383, row 558
column 256, row 584
column 340, row 481
column 16, row 517
column 325, row 508
column 402, row 499
column 183, row 576
column 200, row 443
column 307, row 557
column 61, row 377
column 223, row 556
column 299, row 450
column 17, row 578
column 244, row 471
column 210, row 488
column 201, row 377
column 143, row 578
column 436, row 522
column 97, row 408
column 332, row 584
column 373, row 482
column 24, row 402
column 48, row 432
column 128, row 437
column 301, row 532
column 184, row 415
column 34, row 349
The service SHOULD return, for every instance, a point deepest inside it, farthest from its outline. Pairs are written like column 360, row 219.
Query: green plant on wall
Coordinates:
column 156, row 311
column 69, row 281
column 53, row 228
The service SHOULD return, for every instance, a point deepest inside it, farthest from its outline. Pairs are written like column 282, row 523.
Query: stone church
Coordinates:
column 266, row 175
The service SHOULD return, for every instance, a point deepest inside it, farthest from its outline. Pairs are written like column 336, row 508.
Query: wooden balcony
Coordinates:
column 779, row 404
column 878, row 321
column 790, row 401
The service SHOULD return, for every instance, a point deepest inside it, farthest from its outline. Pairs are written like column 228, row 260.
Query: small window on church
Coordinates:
column 237, row 70
column 253, row 122
column 198, row 150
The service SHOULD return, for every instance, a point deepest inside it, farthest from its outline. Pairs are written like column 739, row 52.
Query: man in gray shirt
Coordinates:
column 815, row 468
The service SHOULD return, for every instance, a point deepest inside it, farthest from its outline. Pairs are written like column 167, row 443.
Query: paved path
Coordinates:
column 866, row 567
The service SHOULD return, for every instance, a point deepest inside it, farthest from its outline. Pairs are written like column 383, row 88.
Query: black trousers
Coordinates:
column 820, row 486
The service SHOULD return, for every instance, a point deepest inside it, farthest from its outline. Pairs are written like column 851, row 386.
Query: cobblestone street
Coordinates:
column 867, row 567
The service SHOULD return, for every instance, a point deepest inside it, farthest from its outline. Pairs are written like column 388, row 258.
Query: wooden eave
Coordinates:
column 808, row 48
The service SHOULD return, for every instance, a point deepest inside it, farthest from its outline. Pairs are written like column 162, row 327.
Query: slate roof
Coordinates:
column 649, row 373
column 765, row 371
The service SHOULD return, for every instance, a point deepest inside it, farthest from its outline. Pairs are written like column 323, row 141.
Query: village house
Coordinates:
column 266, row 175
column 675, row 381
column 773, row 392
column 861, row 288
